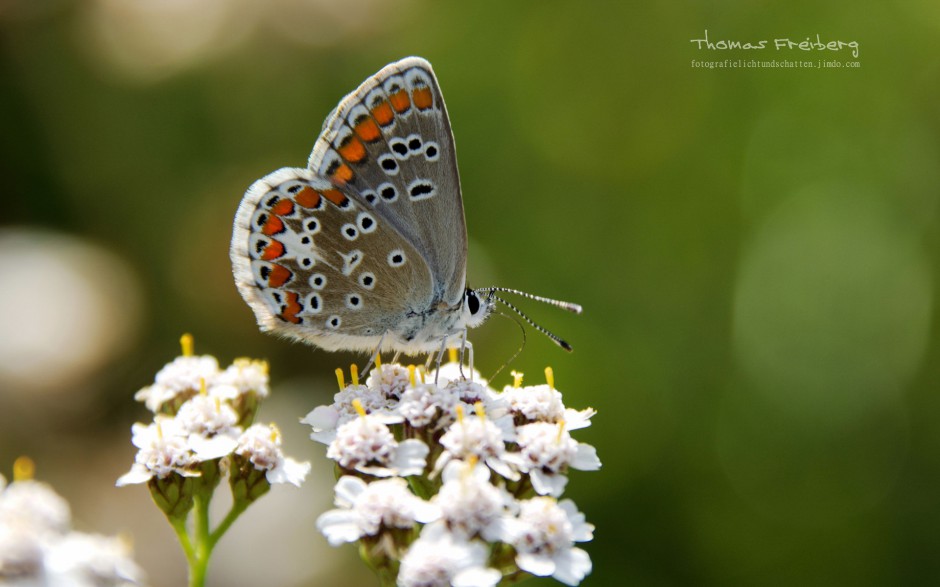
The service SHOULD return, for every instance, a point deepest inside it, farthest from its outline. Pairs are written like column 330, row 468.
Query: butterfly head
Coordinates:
column 476, row 308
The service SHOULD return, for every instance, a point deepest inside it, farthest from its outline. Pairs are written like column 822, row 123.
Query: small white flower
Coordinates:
column 368, row 446
column 453, row 371
column 546, row 451
column 80, row 560
column 183, row 376
column 439, row 559
column 210, row 426
column 428, row 404
column 35, row 506
column 390, row 381
column 163, row 451
column 543, row 403
column 326, row 419
column 241, row 377
column 471, row 505
column 481, row 438
column 364, row 509
column 544, row 535
column 261, row 445
column 21, row 552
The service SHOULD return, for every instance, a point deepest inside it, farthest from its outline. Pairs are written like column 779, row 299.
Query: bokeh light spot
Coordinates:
column 832, row 304
column 66, row 308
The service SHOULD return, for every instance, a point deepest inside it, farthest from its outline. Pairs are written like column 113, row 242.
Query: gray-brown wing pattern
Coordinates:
column 389, row 143
column 316, row 265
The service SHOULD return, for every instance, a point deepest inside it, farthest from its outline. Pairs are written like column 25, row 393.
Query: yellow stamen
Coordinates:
column 354, row 372
column 516, row 379
column 187, row 343
column 357, row 405
column 23, row 469
column 472, row 461
column 203, row 390
column 452, row 355
column 378, row 360
column 460, row 414
column 422, row 372
column 340, row 379
column 275, row 431
column 159, row 431
column 478, row 408
column 550, row 377
column 561, row 430
column 218, row 404
column 411, row 374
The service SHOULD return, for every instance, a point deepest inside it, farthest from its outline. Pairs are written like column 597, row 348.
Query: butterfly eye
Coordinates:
column 473, row 302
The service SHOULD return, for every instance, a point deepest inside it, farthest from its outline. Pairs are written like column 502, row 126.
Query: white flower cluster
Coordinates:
column 455, row 483
column 203, row 414
column 38, row 547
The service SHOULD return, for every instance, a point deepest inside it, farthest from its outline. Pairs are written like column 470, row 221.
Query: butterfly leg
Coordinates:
column 440, row 359
column 466, row 349
column 374, row 356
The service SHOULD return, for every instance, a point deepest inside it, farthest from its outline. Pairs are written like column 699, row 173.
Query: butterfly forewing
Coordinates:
column 389, row 145
column 317, row 265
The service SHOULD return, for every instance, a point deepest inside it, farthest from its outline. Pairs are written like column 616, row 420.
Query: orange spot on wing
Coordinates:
column 274, row 225
column 400, row 101
column 367, row 130
column 422, row 98
column 353, row 150
column 336, row 197
column 308, row 197
column 291, row 308
column 279, row 276
column 382, row 113
column 342, row 174
column 283, row 207
column 274, row 250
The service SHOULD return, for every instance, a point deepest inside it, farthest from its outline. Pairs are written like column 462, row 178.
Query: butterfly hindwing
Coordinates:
column 318, row 265
column 389, row 144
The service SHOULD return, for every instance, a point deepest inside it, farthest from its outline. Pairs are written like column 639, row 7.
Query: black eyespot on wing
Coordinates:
column 389, row 193
column 421, row 189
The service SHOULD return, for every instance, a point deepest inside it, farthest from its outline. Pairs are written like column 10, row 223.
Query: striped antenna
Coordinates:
column 570, row 307
column 544, row 331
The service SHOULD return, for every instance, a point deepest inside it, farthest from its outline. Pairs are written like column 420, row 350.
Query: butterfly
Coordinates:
column 365, row 249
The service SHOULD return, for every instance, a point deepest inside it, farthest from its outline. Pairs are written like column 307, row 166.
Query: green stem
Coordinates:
column 200, row 565
column 179, row 526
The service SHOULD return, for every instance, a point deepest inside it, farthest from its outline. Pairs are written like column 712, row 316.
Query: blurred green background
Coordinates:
column 755, row 250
